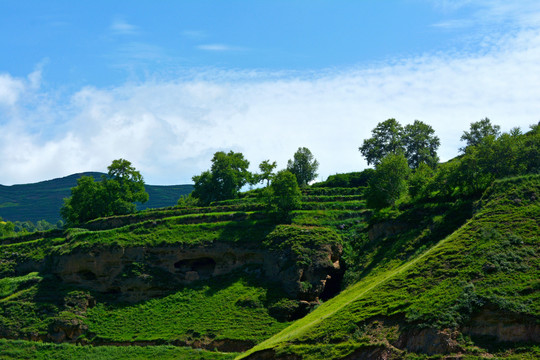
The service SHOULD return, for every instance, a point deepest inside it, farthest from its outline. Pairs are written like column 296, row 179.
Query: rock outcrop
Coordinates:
column 137, row 273
column 503, row 326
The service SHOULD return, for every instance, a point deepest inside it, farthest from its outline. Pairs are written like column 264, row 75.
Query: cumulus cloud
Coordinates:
column 170, row 127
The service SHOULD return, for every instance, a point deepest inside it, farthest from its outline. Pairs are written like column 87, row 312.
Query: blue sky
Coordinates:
column 165, row 84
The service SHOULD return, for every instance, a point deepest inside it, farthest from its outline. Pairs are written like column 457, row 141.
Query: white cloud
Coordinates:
column 169, row 128
column 10, row 89
column 122, row 27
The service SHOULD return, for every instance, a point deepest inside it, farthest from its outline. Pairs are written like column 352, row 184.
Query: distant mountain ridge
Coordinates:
column 42, row 200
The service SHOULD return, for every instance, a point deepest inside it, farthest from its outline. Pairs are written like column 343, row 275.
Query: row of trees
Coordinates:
column 405, row 161
column 10, row 228
column 229, row 173
column 123, row 186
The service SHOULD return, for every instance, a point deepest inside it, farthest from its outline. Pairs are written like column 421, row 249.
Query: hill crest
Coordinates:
column 42, row 200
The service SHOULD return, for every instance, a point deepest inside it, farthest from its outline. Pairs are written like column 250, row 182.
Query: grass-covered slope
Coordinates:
column 231, row 311
column 476, row 288
column 42, row 200
column 425, row 279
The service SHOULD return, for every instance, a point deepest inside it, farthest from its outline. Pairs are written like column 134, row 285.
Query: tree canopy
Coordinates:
column 284, row 195
column 267, row 171
column 115, row 194
column 229, row 172
column 420, row 144
column 386, row 139
column 304, row 166
column 417, row 141
column 478, row 131
column 7, row 228
column 389, row 181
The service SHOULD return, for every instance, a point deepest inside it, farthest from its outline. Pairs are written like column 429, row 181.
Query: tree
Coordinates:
column 389, row 181
column 416, row 140
column 7, row 228
column 419, row 181
column 224, row 180
column 478, row 131
column 386, row 139
column 115, row 194
column 88, row 201
column 284, row 195
column 304, row 166
column 267, row 171
column 124, row 186
column 421, row 144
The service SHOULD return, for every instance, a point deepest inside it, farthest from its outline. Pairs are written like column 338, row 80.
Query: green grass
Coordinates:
column 438, row 263
column 232, row 307
column 229, row 307
column 8, row 286
column 444, row 284
column 18, row 349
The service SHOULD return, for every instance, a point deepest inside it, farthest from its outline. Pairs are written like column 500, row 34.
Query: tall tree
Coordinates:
column 386, row 139
column 124, row 186
column 229, row 172
column 478, row 131
column 421, row 144
column 304, row 166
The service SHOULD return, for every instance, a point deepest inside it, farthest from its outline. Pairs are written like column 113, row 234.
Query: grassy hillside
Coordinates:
column 38, row 201
column 228, row 312
column 489, row 266
column 421, row 280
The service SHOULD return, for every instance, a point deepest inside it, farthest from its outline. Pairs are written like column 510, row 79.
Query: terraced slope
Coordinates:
column 474, row 292
column 211, row 283
column 221, row 278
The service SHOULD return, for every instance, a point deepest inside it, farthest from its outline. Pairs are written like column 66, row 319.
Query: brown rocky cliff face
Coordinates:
column 138, row 273
column 503, row 326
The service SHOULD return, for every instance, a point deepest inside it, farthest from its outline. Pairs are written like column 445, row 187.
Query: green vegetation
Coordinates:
column 30, row 350
column 231, row 308
column 488, row 261
column 43, row 200
column 224, row 180
column 304, row 166
column 7, row 228
column 348, row 180
column 417, row 141
column 410, row 260
column 115, row 194
column 479, row 131
column 389, row 182
column 284, row 195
